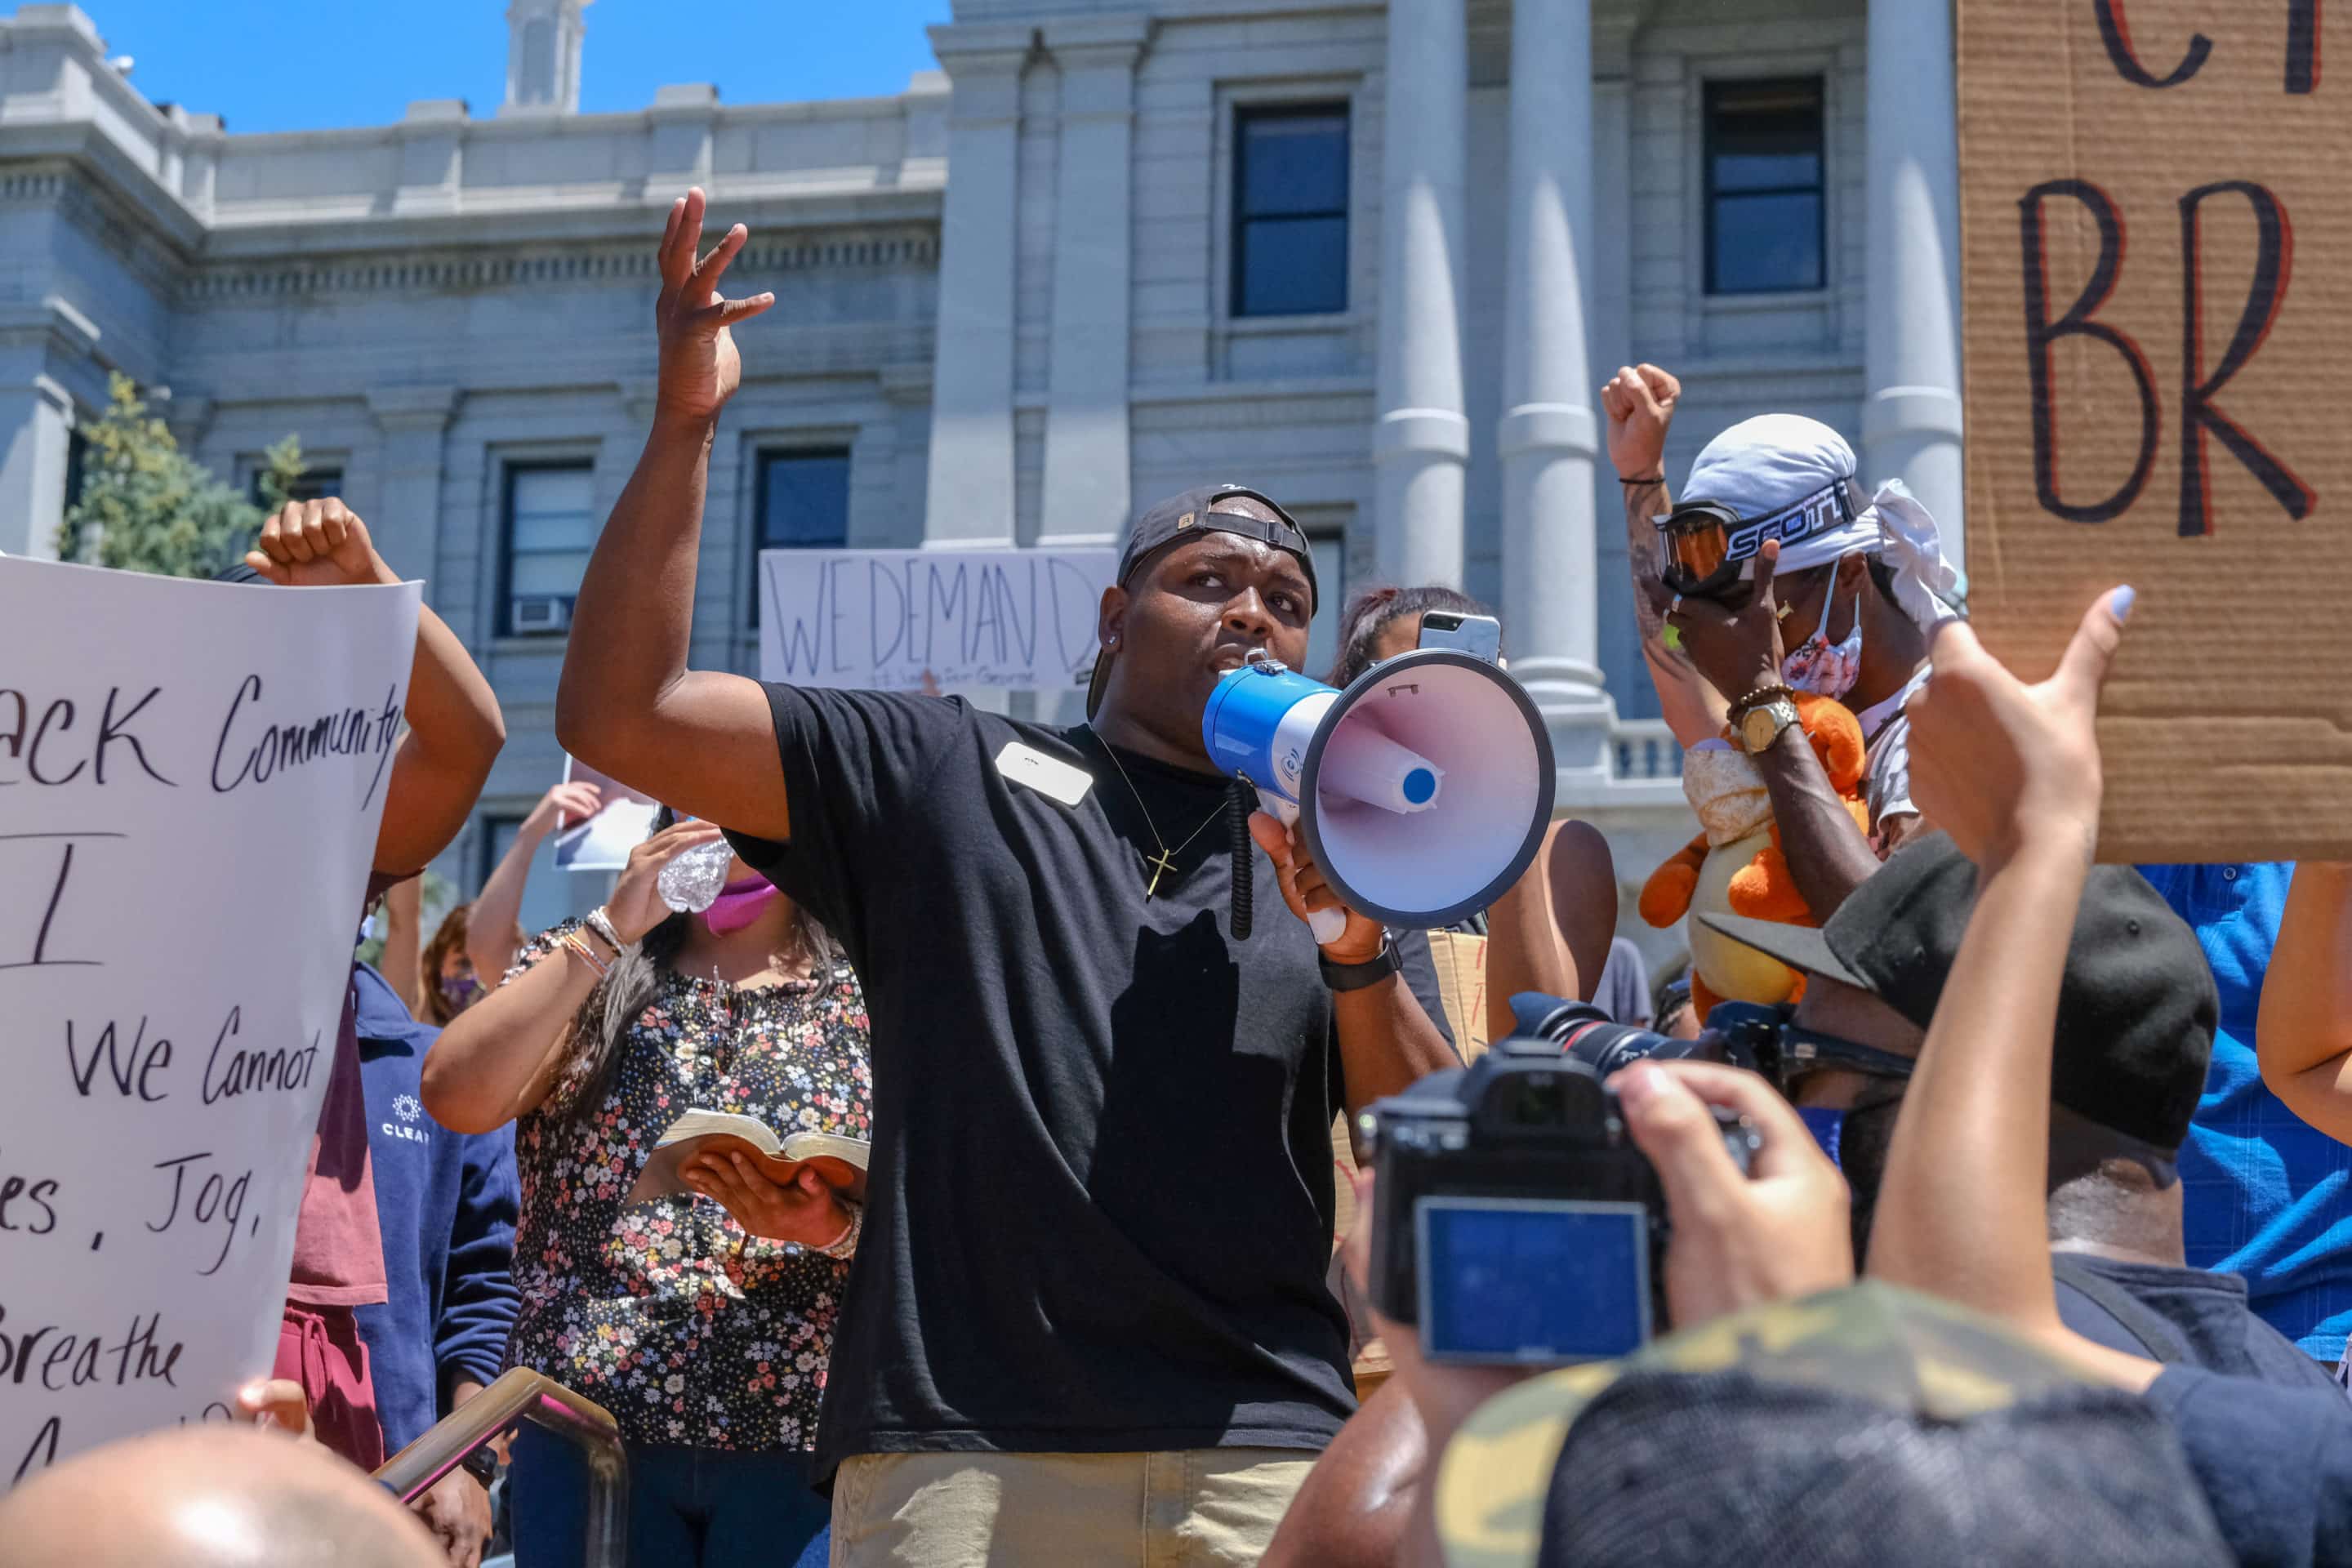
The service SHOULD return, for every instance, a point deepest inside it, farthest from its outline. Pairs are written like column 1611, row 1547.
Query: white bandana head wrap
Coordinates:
column 1763, row 464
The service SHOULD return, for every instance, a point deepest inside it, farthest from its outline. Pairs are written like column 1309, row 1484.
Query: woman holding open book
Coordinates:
column 694, row 1296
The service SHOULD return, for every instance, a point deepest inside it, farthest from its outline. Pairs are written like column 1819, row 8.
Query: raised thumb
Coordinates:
column 2083, row 670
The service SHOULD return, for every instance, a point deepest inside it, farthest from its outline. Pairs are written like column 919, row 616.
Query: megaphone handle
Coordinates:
column 1327, row 926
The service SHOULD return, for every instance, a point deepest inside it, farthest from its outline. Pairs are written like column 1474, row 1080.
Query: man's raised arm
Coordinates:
column 700, row 740
column 1639, row 405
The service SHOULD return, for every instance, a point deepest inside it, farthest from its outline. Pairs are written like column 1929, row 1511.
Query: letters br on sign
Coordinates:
column 191, row 779
column 916, row 620
column 2156, row 226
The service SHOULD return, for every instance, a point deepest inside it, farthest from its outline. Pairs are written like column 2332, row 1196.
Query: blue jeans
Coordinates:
column 694, row 1508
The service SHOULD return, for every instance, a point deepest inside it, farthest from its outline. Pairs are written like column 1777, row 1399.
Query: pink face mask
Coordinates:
column 737, row 905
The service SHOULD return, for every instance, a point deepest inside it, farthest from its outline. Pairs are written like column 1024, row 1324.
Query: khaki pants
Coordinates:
column 1189, row 1508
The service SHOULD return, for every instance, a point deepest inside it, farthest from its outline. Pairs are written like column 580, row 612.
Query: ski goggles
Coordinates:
column 1703, row 545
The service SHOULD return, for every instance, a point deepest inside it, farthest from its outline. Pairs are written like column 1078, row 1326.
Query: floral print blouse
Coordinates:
column 690, row 1331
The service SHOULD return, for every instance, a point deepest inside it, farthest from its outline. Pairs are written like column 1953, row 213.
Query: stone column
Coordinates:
column 969, row 495
column 1088, row 475
column 1420, row 437
column 36, row 421
column 405, row 523
column 1911, row 407
column 1549, row 436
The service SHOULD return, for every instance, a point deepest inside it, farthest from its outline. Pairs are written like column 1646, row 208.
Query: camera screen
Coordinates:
column 1532, row 1281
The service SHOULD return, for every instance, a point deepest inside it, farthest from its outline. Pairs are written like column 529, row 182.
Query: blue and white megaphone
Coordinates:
column 1424, row 788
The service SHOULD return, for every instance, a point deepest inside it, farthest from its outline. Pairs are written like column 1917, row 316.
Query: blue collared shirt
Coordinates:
column 2266, row 1195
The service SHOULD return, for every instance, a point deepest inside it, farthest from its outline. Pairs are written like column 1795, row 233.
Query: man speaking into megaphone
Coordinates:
column 1089, row 1287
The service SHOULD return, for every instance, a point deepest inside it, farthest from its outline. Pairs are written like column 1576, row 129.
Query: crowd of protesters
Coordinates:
column 2041, row 1252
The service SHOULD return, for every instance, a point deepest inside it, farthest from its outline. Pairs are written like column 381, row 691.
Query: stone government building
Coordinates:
column 1110, row 248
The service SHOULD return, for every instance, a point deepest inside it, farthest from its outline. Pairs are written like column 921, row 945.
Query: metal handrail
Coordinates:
column 523, row 1394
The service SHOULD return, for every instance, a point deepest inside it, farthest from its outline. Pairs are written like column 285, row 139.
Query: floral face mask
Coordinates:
column 1820, row 667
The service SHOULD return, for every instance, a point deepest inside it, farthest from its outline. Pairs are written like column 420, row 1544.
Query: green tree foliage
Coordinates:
column 146, row 505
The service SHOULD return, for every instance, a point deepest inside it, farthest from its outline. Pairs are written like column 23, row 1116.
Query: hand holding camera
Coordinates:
column 1533, row 1209
column 1519, row 1218
column 1769, row 1229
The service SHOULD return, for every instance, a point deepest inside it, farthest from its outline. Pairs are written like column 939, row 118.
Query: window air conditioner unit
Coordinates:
column 540, row 613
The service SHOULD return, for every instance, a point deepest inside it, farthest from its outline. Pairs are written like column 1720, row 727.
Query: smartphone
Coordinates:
column 1479, row 636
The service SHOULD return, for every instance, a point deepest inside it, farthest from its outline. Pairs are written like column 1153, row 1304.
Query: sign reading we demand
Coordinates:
column 916, row 620
column 191, row 779
column 2156, row 206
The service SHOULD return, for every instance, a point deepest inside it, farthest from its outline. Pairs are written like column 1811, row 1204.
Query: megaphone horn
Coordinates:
column 1423, row 790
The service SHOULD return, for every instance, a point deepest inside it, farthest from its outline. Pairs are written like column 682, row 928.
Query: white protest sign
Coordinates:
column 191, row 779
column 603, row 842
column 904, row 620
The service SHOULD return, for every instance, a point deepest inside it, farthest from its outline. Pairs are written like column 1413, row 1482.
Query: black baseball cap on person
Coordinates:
column 1195, row 512
column 2136, row 1006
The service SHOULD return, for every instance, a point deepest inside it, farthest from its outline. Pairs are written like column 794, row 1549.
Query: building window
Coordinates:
column 314, row 484
column 1765, row 211
column 1329, row 549
column 1290, row 210
column 76, row 467
column 803, row 505
column 550, row 527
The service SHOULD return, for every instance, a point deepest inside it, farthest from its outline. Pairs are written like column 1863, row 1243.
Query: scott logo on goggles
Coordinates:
column 1818, row 513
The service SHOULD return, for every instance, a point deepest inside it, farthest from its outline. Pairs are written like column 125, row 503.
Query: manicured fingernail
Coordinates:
column 2124, row 599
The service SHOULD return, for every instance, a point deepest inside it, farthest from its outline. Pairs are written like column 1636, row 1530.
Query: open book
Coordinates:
column 841, row 1161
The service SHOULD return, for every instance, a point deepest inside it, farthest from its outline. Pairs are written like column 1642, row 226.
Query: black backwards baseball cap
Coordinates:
column 1195, row 512
column 1850, row 1429
column 2137, row 1007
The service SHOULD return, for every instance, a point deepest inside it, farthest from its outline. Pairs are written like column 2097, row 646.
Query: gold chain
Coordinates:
column 1165, row 861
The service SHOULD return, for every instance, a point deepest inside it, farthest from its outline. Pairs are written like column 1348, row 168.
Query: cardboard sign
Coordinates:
column 603, row 842
column 2158, row 308
column 191, row 779
column 922, row 620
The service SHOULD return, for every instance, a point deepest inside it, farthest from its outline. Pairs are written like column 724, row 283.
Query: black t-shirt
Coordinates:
column 1099, row 1208
column 2200, row 1319
column 2275, row 1463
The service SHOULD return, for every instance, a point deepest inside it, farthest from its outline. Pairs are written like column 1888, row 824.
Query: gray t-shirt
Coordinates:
column 1624, row 990
column 1887, row 739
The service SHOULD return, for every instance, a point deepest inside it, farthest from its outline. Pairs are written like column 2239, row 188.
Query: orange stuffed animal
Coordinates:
column 1736, row 865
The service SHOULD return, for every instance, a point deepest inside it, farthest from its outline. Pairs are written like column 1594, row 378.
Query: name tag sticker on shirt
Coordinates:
column 1054, row 779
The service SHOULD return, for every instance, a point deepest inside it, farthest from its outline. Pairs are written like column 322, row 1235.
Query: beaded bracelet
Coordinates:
column 845, row 1244
column 597, row 921
column 579, row 944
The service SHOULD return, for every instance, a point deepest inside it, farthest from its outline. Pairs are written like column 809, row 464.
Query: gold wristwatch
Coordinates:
column 1758, row 719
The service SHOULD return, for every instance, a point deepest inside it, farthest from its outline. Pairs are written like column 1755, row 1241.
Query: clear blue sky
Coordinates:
column 299, row 64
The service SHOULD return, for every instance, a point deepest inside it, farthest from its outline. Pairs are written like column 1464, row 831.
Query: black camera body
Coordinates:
column 1514, row 1219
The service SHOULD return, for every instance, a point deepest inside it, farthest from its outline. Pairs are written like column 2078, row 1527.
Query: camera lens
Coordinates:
column 1606, row 1047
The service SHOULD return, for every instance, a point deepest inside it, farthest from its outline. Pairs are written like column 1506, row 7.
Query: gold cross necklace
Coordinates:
column 1165, row 861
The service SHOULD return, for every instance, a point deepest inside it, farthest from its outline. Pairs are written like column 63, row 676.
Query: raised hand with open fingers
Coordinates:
column 700, row 368
column 1995, row 762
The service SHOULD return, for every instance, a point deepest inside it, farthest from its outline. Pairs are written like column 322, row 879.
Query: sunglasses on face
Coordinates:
column 1703, row 545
